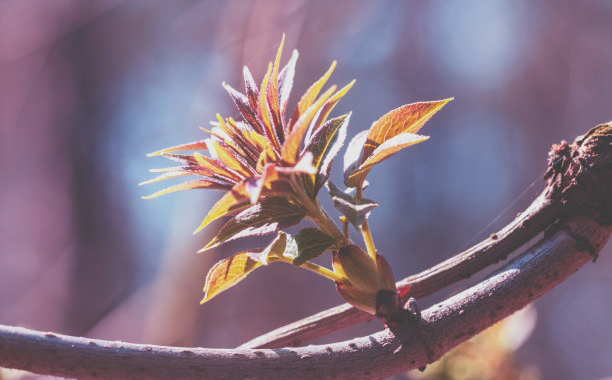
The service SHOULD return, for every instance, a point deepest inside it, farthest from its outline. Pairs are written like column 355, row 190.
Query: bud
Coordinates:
column 366, row 282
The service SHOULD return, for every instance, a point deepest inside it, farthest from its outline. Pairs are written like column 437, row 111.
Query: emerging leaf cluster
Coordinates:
column 272, row 164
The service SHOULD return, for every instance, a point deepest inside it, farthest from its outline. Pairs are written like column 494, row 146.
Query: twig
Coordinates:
column 569, row 188
column 444, row 326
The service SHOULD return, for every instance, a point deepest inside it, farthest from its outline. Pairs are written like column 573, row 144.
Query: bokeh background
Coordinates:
column 88, row 88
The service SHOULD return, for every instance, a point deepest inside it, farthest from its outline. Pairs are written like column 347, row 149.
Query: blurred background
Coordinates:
column 88, row 88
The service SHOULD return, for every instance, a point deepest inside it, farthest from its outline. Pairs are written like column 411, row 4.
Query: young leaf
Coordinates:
column 230, row 158
column 331, row 151
column 311, row 243
column 264, row 108
column 232, row 201
column 285, row 83
column 269, row 215
column 196, row 145
column 242, row 103
column 408, row 118
column 384, row 151
column 227, row 273
column 250, row 87
column 309, row 96
column 329, row 105
column 294, row 139
column 356, row 211
column 353, row 156
column 273, row 94
column 403, row 121
column 325, row 144
column 195, row 184
column 325, row 138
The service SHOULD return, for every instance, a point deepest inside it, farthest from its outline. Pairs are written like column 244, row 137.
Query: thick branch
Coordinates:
column 577, row 175
column 580, row 171
column 444, row 326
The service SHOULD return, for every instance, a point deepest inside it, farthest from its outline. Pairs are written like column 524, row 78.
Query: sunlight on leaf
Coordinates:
column 408, row 118
column 384, row 151
column 232, row 201
column 227, row 273
column 311, row 243
column 195, row 184
column 267, row 216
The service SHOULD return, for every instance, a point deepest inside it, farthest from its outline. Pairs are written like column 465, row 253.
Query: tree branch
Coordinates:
column 570, row 175
column 444, row 326
column 582, row 169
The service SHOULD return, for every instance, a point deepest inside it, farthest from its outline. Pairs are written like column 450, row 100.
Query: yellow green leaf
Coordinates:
column 227, row 273
column 234, row 200
column 195, row 184
column 195, row 145
column 231, row 159
column 273, row 100
column 384, row 151
column 327, row 108
column 264, row 108
column 285, row 83
column 310, row 95
column 407, row 118
column 210, row 164
column 292, row 144
column 166, row 175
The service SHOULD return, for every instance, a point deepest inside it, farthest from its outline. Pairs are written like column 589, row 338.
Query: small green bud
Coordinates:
column 366, row 281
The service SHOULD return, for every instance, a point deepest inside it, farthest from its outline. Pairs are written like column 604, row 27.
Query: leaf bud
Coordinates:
column 364, row 278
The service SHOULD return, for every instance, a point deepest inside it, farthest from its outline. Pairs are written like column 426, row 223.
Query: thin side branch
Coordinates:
column 444, row 326
column 572, row 170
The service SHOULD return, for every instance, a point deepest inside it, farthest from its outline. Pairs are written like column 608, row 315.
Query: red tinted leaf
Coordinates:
column 250, row 87
column 408, row 118
column 329, row 105
column 273, row 100
column 264, row 109
column 195, row 145
column 215, row 166
column 234, row 200
column 292, row 144
column 242, row 103
column 269, row 215
column 285, row 84
column 231, row 159
column 384, row 151
column 195, row 184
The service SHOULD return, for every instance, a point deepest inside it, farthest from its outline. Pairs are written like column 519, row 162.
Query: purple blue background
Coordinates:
column 88, row 88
